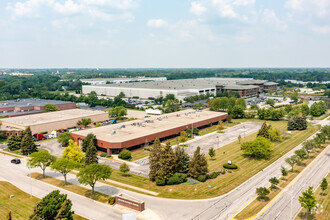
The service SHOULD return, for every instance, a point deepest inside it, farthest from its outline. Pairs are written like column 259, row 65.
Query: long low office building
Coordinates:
column 100, row 81
column 137, row 133
column 181, row 88
column 50, row 121
column 18, row 107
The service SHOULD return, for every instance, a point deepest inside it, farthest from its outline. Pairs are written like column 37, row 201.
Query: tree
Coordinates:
column 84, row 122
column 305, row 109
column 274, row 181
column 270, row 102
column 197, row 164
column 297, row 122
column 241, row 102
column 181, row 160
column 73, row 153
column 91, row 154
column 64, row 166
column 254, row 106
column 64, row 138
column 183, row 136
column 211, row 152
column 309, row 145
column 154, row 158
column 124, row 168
column 294, row 96
column 237, row 111
column 92, row 173
column 318, row 108
column 301, row 153
column 264, row 131
column 262, row 193
column 324, row 185
column 53, row 206
column 293, row 160
column 223, row 103
column 171, row 105
column 220, row 125
column 274, row 134
column 42, row 159
column 50, row 108
column 86, row 141
column 27, row 144
column 118, row 112
column 232, row 102
column 167, row 163
column 308, row 200
column 259, row 148
column 284, row 171
column 125, row 155
column 13, row 142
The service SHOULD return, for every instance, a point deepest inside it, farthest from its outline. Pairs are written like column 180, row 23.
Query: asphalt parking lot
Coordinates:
column 217, row 140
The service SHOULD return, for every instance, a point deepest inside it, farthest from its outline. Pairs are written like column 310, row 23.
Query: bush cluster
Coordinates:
column 125, row 155
column 230, row 166
column 177, row 178
column 160, row 182
column 202, row 178
column 103, row 155
column 112, row 200
column 213, row 175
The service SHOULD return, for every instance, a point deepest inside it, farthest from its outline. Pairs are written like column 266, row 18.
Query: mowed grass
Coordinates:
column 21, row 207
column 255, row 206
column 323, row 200
column 71, row 187
column 224, row 183
column 139, row 154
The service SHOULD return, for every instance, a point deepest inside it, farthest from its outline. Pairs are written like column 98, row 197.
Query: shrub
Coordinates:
column 160, row 182
column 230, row 166
column 109, row 157
column 201, row 178
column 213, row 175
column 112, row 200
column 103, row 155
column 177, row 178
column 125, row 155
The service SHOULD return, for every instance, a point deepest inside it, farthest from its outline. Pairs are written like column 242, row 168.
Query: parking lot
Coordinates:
column 217, row 140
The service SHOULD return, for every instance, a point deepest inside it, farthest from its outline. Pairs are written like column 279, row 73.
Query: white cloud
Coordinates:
column 225, row 8
column 197, row 8
column 157, row 23
column 321, row 29
column 69, row 7
column 316, row 7
column 29, row 8
column 118, row 4
column 270, row 17
column 244, row 2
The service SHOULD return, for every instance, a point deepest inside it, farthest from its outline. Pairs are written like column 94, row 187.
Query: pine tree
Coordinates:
column 87, row 140
column 181, row 160
column 154, row 159
column 13, row 143
column 91, row 153
column 324, row 185
column 198, row 164
column 167, row 163
column 27, row 144
column 264, row 131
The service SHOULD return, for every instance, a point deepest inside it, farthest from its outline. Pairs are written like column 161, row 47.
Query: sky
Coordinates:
column 164, row 34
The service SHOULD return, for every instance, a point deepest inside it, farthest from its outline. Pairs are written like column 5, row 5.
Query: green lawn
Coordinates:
column 224, row 183
column 323, row 200
column 21, row 206
column 139, row 154
column 2, row 141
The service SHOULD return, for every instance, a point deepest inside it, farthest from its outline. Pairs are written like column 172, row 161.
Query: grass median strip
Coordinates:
column 100, row 197
column 21, row 206
column 256, row 206
column 323, row 200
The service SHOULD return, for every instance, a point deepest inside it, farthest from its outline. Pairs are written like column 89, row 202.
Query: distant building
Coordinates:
column 100, row 81
column 180, row 88
column 18, row 107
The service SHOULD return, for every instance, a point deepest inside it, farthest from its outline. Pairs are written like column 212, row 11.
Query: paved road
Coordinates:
column 218, row 140
column 17, row 175
column 311, row 177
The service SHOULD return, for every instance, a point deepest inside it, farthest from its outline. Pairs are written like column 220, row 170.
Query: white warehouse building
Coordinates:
column 180, row 88
column 101, row 81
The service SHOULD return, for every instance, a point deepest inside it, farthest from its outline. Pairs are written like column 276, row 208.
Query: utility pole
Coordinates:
column 30, row 178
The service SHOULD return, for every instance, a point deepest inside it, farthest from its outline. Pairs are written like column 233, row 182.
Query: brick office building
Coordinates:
column 18, row 107
column 134, row 134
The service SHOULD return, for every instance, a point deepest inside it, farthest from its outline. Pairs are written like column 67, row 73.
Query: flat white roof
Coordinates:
column 49, row 117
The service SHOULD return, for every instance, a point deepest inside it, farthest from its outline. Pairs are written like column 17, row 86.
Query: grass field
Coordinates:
column 255, row 206
column 21, row 206
column 139, row 154
column 2, row 141
column 224, row 183
column 323, row 200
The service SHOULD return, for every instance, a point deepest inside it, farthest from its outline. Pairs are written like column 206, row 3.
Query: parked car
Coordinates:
column 37, row 144
column 16, row 161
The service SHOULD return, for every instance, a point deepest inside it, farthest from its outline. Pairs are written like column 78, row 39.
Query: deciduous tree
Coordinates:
column 64, row 138
column 64, row 166
column 42, row 159
column 92, row 173
column 308, row 200
column 73, row 152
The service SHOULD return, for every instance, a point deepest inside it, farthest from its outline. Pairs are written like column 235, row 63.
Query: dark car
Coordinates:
column 16, row 161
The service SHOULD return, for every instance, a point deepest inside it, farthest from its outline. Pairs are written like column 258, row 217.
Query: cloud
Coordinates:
column 270, row 17
column 157, row 23
column 225, row 8
column 69, row 7
column 29, row 8
column 321, row 29
column 118, row 4
column 244, row 2
column 319, row 8
column 233, row 8
column 197, row 8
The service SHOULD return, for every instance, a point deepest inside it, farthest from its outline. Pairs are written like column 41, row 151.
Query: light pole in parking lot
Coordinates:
column 30, row 178
column 217, row 142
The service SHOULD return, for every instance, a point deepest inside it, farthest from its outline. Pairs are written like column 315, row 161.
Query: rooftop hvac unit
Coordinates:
column 113, row 132
column 29, row 104
column 133, row 124
column 178, row 115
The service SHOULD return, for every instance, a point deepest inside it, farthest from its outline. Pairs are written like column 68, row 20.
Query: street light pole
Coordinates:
column 30, row 178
